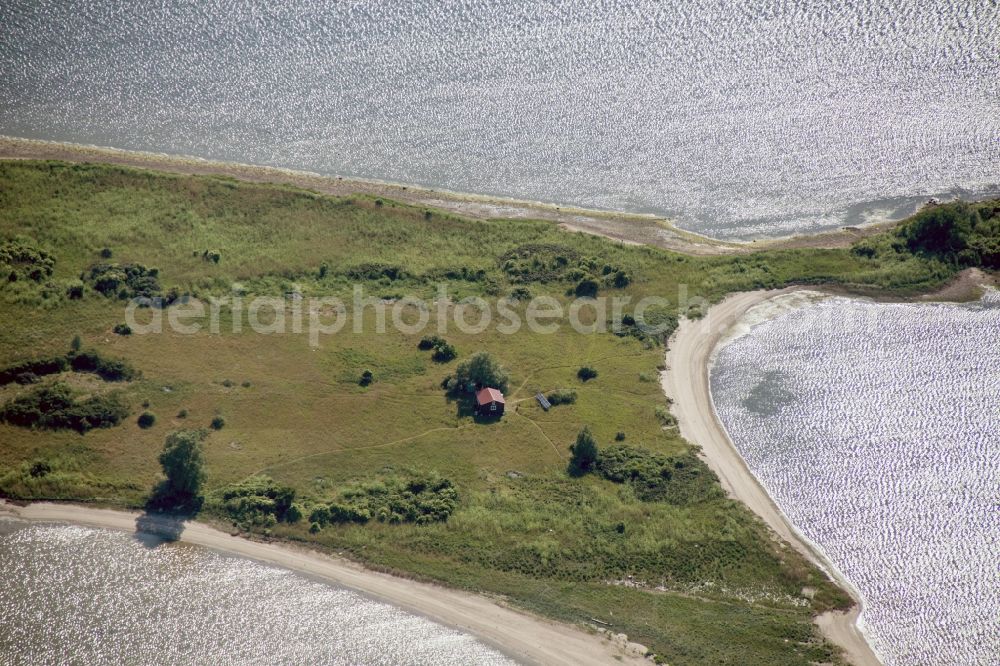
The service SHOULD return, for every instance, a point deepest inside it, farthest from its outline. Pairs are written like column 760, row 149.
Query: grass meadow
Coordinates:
column 698, row 582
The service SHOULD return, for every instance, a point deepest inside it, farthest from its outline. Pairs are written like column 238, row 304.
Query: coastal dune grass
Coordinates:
column 698, row 581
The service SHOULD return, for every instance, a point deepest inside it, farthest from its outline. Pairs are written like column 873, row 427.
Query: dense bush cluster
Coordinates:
column 123, row 280
column 960, row 234
column 551, row 262
column 416, row 499
column 656, row 323
column 586, row 373
column 21, row 260
column 443, row 350
column 108, row 369
column 681, row 479
column 257, row 501
column 56, row 407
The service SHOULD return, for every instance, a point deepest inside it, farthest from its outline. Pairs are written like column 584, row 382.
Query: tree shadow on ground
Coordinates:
column 155, row 529
column 165, row 515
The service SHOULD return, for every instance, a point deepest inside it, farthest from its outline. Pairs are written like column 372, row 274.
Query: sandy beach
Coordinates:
column 527, row 638
column 686, row 382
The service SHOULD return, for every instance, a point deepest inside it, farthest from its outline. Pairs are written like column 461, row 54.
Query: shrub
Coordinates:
column 658, row 322
column 619, row 436
column 213, row 256
column 22, row 259
column 28, row 372
column 257, row 501
column 666, row 418
column 520, row 294
column 124, row 280
column 480, row 369
column 55, row 407
column 324, row 270
column 218, row 423
column 76, row 343
column 146, row 420
column 444, row 352
column 123, row 329
column 366, row 378
column 584, row 453
column 106, row 253
column 621, row 280
column 108, row 369
column 27, row 378
column 587, row 288
column 74, row 292
column 182, row 414
column 562, row 397
column 586, row 373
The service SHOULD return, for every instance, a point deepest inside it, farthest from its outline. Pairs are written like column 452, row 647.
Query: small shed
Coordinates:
column 489, row 402
column 543, row 401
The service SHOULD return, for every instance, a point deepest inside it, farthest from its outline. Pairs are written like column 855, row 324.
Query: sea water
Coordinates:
column 78, row 595
column 876, row 429
column 738, row 119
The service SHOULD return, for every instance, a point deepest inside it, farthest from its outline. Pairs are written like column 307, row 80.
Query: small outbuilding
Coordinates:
column 489, row 402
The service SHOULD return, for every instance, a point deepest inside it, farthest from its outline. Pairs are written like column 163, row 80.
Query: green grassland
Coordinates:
column 698, row 578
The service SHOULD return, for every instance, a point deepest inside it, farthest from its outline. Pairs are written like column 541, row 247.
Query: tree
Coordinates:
column 942, row 230
column 481, row 369
column 183, row 466
column 584, row 453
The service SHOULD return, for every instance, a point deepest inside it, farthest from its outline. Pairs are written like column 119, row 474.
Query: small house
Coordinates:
column 489, row 402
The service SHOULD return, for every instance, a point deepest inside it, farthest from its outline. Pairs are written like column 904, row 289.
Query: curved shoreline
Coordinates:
column 686, row 382
column 520, row 635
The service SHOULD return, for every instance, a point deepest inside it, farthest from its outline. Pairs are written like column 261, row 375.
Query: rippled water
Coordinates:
column 876, row 429
column 88, row 596
column 749, row 118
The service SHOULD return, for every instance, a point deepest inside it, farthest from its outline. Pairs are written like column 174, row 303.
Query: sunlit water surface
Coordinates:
column 876, row 429
column 87, row 596
column 743, row 118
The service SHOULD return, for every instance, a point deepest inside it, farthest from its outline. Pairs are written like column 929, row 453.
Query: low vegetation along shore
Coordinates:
column 595, row 511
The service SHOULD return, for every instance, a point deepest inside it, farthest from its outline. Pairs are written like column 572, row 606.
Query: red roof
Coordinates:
column 487, row 395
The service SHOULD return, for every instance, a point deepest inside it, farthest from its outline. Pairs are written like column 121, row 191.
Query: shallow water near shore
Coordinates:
column 74, row 594
column 761, row 118
column 876, row 429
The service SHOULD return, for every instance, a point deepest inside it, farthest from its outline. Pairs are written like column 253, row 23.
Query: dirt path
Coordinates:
column 525, row 637
column 685, row 381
